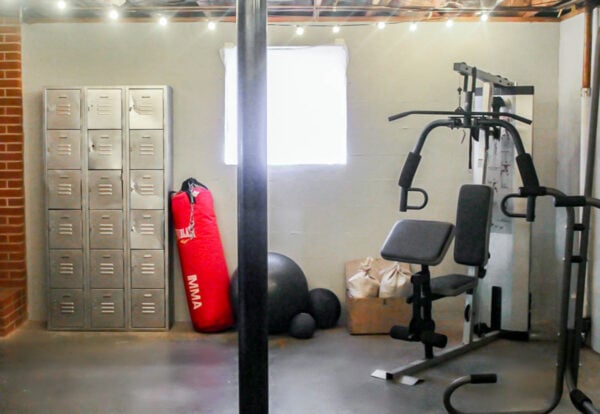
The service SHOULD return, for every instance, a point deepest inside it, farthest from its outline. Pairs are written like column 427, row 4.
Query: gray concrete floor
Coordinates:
column 184, row 372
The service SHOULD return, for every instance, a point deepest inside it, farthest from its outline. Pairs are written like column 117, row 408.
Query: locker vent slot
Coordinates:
column 144, row 108
column 65, row 150
column 147, row 229
column 63, row 108
column 104, row 149
column 147, row 149
column 66, row 268
column 146, row 189
column 65, row 229
column 67, row 307
column 107, row 268
column 148, row 307
column 107, row 307
column 107, row 229
column 105, row 189
column 148, row 268
column 104, row 109
column 65, row 189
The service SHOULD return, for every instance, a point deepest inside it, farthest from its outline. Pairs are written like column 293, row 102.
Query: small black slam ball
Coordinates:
column 302, row 326
column 325, row 307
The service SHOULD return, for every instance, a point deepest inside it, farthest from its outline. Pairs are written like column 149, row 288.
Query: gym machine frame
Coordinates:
column 573, row 286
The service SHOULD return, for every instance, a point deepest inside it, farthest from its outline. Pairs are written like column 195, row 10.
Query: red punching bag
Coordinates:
column 203, row 265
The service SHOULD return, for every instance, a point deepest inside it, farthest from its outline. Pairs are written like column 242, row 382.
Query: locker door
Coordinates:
column 148, row 308
column 63, row 109
column 63, row 150
column 105, row 189
column 108, row 308
column 146, row 150
column 64, row 189
column 105, row 149
column 147, row 229
column 106, row 229
column 146, row 189
column 106, row 269
column 146, row 109
column 104, row 108
column 64, row 229
column 66, row 269
column 147, row 269
column 66, row 308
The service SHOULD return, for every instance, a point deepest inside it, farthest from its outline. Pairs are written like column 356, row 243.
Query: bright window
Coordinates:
column 306, row 105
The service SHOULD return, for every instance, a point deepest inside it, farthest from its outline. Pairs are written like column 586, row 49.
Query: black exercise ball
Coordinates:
column 302, row 326
column 324, row 306
column 287, row 292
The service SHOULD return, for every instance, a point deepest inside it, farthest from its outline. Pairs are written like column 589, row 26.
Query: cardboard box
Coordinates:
column 375, row 315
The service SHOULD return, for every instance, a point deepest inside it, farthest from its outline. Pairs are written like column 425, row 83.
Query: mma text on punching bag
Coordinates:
column 205, row 274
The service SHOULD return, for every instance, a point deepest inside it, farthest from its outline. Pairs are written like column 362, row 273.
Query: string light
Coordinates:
column 61, row 4
column 113, row 14
column 299, row 30
column 412, row 27
column 212, row 25
column 381, row 25
column 449, row 23
column 162, row 21
column 335, row 29
column 485, row 17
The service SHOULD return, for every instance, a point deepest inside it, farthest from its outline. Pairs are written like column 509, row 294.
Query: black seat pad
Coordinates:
column 418, row 241
column 452, row 285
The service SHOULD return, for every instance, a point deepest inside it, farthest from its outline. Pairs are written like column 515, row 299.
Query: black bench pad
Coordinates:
column 452, row 285
column 418, row 241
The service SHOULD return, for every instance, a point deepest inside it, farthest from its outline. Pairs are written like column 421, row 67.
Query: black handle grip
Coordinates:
column 527, row 170
column 529, row 214
column 570, row 201
column 404, row 199
column 505, row 209
column 484, row 378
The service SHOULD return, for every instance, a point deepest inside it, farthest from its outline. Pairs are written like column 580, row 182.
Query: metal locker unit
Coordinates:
column 108, row 169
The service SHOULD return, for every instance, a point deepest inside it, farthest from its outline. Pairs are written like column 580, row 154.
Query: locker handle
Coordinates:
column 147, row 256
column 147, row 295
column 106, row 216
column 106, row 256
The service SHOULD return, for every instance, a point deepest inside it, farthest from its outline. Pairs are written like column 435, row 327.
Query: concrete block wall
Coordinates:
column 13, row 273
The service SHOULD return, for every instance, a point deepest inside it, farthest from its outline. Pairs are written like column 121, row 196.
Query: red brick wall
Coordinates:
column 13, row 272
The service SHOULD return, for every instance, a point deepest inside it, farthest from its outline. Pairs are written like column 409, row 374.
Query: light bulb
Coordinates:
column 299, row 30
column 212, row 25
column 61, row 4
column 113, row 14
column 381, row 25
column 335, row 29
column 449, row 23
column 412, row 27
column 162, row 21
column 485, row 17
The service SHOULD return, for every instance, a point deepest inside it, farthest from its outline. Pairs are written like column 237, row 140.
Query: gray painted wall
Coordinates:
column 321, row 216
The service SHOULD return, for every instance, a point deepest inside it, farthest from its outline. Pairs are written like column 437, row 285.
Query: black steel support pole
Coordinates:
column 252, row 206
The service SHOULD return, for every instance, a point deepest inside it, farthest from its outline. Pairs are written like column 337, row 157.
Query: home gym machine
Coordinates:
column 430, row 240
column 472, row 235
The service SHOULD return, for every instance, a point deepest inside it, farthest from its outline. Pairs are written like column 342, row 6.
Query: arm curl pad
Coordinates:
column 409, row 170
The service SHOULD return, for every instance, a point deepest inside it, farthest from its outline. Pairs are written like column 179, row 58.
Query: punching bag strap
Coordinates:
column 190, row 187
